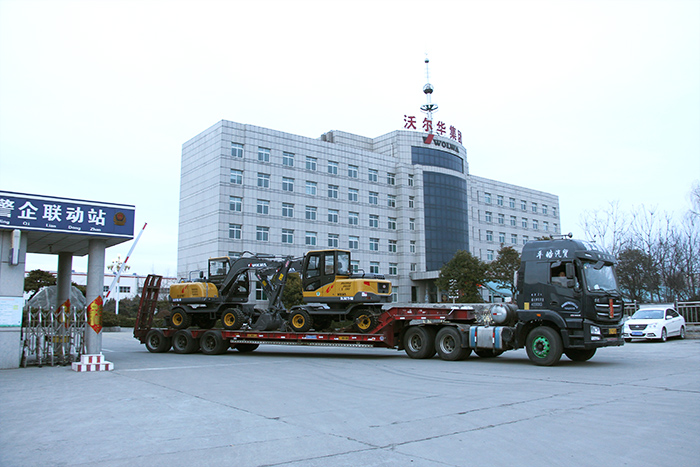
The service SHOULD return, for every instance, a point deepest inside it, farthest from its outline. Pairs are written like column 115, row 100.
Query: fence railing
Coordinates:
column 689, row 310
column 53, row 337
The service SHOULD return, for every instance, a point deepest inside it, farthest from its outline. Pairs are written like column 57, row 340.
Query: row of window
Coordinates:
column 534, row 207
column 311, row 188
column 311, row 163
column 524, row 222
column 502, row 238
column 262, row 234
column 311, row 213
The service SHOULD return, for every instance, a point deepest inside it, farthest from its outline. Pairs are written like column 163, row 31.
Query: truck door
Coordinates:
column 563, row 297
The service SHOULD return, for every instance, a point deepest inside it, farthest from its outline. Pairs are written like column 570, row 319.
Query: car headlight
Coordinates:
column 595, row 330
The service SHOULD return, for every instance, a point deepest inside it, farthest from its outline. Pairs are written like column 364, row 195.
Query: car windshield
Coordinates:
column 648, row 314
column 599, row 279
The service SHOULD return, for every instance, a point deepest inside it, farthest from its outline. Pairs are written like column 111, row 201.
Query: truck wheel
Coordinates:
column 580, row 355
column 212, row 343
column 544, row 346
column 419, row 342
column 448, row 344
column 180, row 319
column 300, row 321
column 232, row 319
column 488, row 353
column 156, row 341
column 364, row 321
column 183, row 342
column 245, row 348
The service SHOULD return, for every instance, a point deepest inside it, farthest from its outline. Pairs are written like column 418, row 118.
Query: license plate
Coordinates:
column 612, row 331
column 636, row 333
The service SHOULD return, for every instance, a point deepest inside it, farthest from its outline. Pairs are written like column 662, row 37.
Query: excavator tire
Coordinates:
column 180, row 319
column 232, row 319
column 364, row 320
column 300, row 320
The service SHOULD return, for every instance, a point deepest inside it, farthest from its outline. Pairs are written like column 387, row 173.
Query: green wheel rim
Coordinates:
column 541, row 347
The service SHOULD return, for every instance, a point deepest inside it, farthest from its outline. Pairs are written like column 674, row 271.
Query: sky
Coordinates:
column 594, row 101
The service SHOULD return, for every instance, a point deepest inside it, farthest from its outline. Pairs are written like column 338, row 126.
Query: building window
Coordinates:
column 259, row 292
column 414, row 267
column 353, row 171
column 332, row 240
column 353, row 242
column 310, row 238
column 288, row 159
column 263, row 180
column 237, row 177
column 262, row 234
column 545, row 226
column 287, row 184
column 393, row 269
column 332, row 168
column 534, row 208
column 236, row 150
column 411, row 224
column 354, row 265
column 489, row 216
column 513, row 221
column 373, row 197
column 263, row 206
column 373, row 220
column 487, row 198
column 501, row 237
column 311, row 213
column 287, row 236
column 392, row 246
column 235, row 203
column 514, row 239
column 372, row 175
column 524, row 223
column 511, row 203
column 333, row 191
column 411, row 201
column 234, row 231
column 287, row 210
column 501, row 219
column 263, row 155
column 555, row 228
column 353, row 218
column 391, row 179
column 310, row 163
column 373, row 244
column 310, row 188
column 333, row 215
column 499, row 200
column 374, row 267
column 535, row 225
column 489, row 255
column 124, row 289
column 410, row 180
column 489, row 235
column 412, row 246
column 544, row 209
column 525, row 239
column 554, row 212
column 391, row 201
column 523, row 205
column 353, row 194
column 391, row 224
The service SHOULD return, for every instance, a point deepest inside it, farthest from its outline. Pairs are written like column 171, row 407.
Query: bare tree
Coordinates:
column 608, row 227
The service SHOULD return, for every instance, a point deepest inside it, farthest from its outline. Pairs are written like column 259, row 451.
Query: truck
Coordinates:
column 567, row 303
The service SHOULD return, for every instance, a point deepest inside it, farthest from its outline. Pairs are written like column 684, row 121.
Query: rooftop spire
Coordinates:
column 428, row 107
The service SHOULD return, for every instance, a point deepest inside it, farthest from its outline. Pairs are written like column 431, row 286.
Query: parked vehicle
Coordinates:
column 654, row 323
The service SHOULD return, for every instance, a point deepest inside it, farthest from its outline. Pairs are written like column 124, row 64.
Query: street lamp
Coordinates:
column 115, row 267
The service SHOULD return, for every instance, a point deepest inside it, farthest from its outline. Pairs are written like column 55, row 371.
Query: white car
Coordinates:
column 654, row 323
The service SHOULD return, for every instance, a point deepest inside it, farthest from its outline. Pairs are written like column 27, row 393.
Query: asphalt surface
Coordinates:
column 634, row 405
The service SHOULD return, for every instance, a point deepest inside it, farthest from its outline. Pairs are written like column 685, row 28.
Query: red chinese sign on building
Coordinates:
column 441, row 128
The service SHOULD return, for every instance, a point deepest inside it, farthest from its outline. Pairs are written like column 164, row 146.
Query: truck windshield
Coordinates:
column 602, row 279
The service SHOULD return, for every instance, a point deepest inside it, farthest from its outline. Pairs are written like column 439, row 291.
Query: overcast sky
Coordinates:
column 594, row 101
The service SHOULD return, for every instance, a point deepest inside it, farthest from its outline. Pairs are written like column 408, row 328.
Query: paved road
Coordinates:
column 635, row 405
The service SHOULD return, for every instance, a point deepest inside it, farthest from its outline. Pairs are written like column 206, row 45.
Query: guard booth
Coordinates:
column 65, row 228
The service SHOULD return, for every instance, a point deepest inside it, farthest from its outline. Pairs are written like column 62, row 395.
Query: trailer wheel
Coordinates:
column 212, row 343
column 544, row 346
column 300, row 321
column 364, row 321
column 180, row 319
column 245, row 348
column 419, row 342
column 232, row 319
column 183, row 342
column 580, row 355
column 448, row 344
column 156, row 341
column 488, row 353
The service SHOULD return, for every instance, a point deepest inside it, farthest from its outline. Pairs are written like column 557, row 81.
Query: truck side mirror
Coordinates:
column 569, row 270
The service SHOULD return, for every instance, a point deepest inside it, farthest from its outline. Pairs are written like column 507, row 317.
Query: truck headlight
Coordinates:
column 595, row 330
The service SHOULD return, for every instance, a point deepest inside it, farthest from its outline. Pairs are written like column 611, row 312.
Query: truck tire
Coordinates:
column 419, row 342
column 448, row 345
column 544, row 346
column 232, row 319
column 212, row 343
column 156, row 341
column 488, row 353
column 300, row 321
column 183, row 342
column 580, row 355
column 246, row 348
column 180, row 319
column 364, row 321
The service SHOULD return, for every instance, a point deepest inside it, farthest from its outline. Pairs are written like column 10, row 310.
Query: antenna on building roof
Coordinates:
column 428, row 89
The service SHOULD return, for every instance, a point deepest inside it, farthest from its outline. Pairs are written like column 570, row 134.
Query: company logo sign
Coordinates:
column 430, row 139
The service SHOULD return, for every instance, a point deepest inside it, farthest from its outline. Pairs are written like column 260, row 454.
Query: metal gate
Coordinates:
column 53, row 337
